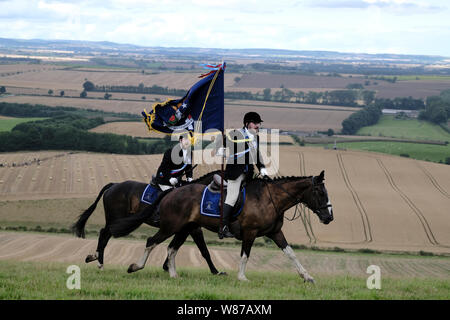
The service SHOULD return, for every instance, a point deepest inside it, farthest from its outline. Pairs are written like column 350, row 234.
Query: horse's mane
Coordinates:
column 205, row 175
column 277, row 179
column 284, row 179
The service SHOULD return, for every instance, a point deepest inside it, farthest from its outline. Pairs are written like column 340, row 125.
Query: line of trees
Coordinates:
column 437, row 108
column 365, row 117
column 137, row 89
column 335, row 97
column 346, row 97
column 26, row 110
column 400, row 103
column 67, row 130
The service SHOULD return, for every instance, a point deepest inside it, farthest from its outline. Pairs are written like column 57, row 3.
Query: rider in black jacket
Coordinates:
column 244, row 152
column 176, row 162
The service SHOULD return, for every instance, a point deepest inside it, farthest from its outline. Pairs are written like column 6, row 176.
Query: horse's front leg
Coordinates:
column 281, row 242
column 197, row 235
column 247, row 242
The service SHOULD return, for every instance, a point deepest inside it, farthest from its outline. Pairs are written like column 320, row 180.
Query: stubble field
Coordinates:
column 380, row 202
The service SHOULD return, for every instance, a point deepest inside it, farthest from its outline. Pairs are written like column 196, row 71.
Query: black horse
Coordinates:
column 121, row 200
column 262, row 215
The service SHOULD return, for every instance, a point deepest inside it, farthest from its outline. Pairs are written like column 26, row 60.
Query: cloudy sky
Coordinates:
column 371, row 26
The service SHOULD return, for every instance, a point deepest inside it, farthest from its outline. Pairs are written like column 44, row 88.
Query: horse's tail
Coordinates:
column 125, row 226
column 78, row 227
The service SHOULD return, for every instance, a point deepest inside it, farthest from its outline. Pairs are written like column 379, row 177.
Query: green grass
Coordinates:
column 38, row 280
column 427, row 152
column 410, row 129
column 417, row 77
column 416, row 129
column 8, row 124
column 423, row 77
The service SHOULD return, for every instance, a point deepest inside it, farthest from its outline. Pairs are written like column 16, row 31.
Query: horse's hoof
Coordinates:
column 243, row 279
column 310, row 280
column 222, row 273
column 133, row 268
column 90, row 258
column 100, row 267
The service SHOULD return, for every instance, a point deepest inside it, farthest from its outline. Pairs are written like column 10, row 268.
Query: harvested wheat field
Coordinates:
column 48, row 78
column 65, row 249
column 418, row 89
column 380, row 202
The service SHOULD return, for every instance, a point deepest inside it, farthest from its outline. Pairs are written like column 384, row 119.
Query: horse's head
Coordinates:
column 317, row 199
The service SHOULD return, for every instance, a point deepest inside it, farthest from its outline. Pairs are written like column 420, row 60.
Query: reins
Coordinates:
column 294, row 217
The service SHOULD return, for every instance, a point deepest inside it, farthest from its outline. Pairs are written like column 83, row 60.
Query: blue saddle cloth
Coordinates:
column 150, row 194
column 210, row 205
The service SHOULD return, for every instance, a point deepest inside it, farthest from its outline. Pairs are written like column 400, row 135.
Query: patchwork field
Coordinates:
column 405, row 88
column 73, row 79
column 55, row 78
column 31, row 83
column 293, row 117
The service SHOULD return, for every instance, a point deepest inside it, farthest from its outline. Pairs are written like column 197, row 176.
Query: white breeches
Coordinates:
column 233, row 190
column 164, row 187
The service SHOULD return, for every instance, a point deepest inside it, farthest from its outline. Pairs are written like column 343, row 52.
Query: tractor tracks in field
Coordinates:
column 361, row 210
column 305, row 213
column 419, row 214
column 433, row 181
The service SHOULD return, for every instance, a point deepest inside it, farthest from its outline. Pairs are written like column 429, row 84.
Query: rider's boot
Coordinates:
column 225, row 231
column 153, row 215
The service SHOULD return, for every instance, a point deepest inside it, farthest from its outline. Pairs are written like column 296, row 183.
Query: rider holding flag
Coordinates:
column 176, row 162
column 243, row 145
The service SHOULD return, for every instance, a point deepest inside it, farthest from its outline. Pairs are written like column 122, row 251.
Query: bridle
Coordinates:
column 297, row 200
column 328, row 205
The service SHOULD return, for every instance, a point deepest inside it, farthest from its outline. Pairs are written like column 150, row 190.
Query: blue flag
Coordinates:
column 203, row 102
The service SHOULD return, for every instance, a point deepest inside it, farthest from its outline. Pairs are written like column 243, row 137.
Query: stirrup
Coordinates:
column 225, row 233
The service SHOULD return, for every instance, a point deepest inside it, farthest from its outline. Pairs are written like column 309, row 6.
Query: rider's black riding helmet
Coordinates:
column 252, row 117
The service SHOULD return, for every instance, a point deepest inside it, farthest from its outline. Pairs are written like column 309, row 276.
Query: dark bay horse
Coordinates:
column 121, row 200
column 262, row 215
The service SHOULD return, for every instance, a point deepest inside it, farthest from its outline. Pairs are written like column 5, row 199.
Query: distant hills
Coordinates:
column 106, row 47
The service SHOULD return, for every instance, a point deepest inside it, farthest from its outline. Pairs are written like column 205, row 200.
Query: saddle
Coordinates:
column 210, row 204
column 214, row 186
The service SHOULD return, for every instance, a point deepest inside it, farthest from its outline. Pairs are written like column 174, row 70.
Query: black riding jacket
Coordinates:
column 170, row 169
column 243, row 154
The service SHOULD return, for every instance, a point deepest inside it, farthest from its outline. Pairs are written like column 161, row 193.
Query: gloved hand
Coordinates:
column 189, row 179
column 173, row 181
column 220, row 152
column 263, row 172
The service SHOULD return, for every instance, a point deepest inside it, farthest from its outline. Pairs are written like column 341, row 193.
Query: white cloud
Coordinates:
column 345, row 25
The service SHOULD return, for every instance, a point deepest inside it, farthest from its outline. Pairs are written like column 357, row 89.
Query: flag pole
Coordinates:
column 222, row 173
